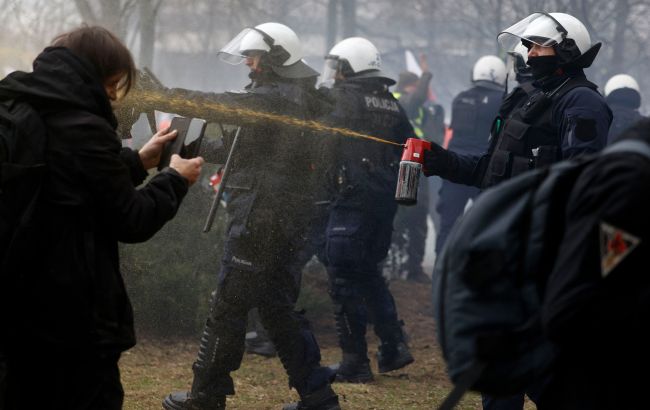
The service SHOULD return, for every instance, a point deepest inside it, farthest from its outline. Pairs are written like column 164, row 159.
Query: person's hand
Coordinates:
column 151, row 151
column 424, row 64
column 190, row 169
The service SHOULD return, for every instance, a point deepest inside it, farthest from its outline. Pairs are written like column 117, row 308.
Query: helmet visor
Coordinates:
column 538, row 28
column 246, row 43
column 329, row 71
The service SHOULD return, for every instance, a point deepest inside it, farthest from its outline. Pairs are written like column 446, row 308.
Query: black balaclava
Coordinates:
column 543, row 66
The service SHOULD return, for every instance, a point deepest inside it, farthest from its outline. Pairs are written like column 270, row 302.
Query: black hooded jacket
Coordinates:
column 63, row 287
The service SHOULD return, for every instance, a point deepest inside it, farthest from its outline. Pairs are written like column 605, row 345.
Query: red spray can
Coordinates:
column 409, row 171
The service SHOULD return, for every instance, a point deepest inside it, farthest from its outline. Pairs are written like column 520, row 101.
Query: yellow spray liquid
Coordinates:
column 141, row 101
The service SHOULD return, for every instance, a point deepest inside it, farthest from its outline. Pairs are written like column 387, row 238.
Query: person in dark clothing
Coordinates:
column 562, row 118
column 596, row 306
column 361, row 216
column 270, row 204
column 65, row 312
column 623, row 95
column 472, row 113
column 427, row 119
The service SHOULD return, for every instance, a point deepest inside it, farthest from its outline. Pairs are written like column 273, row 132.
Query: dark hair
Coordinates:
column 103, row 49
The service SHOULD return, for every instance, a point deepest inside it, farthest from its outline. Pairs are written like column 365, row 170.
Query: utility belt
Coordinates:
column 347, row 179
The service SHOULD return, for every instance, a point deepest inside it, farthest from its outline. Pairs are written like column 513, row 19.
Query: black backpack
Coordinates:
column 489, row 278
column 23, row 139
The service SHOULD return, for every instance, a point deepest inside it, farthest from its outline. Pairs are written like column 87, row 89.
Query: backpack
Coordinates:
column 23, row 139
column 489, row 279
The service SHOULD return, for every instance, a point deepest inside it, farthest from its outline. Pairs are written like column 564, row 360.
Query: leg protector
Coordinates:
column 221, row 349
column 350, row 315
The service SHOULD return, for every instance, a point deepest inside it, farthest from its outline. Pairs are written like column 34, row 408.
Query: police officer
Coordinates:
column 427, row 119
column 472, row 113
column 624, row 98
column 360, row 222
column 563, row 117
column 270, row 205
column 596, row 306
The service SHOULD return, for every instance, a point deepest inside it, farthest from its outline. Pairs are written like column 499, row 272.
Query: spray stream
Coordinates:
column 148, row 100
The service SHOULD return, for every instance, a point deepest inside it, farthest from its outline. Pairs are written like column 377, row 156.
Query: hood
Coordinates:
column 59, row 78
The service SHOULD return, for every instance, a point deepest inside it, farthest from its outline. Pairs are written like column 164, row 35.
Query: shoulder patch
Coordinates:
column 615, row 245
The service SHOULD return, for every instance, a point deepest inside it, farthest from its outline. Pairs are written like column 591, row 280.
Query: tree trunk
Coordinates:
column 148, row 11
column 332, row 23
column 618, row 42
column 349, row 18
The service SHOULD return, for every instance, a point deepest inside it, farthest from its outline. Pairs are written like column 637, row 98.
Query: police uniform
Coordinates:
column 360, row 222
column 270, row 204
column 473, row 112
column 597, row 303
column 563, row 117
column 625, row 105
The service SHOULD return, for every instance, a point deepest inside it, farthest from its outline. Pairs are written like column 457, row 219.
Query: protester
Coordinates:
column 65, row 312
column 596, row 306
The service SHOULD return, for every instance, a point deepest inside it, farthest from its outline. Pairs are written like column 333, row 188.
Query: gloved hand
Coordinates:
column 437, row 161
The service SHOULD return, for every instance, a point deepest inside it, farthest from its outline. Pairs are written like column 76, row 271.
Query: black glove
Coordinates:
column 437, row 161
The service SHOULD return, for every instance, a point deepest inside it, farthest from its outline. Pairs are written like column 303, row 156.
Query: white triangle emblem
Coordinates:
column 615, row 245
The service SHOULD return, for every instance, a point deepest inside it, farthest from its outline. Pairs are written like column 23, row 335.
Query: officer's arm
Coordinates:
column 466, row 169
column 584, row 124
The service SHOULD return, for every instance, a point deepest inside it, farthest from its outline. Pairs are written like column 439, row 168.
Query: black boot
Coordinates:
column 393, row 357
column 184, row 401
column 259, row 345
column 353, row 368
column 321, row 399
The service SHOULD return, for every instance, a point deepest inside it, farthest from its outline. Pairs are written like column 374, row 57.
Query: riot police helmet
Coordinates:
column 278, row 45
column 566, row 34
column 517, row 62
column 620, row 82
column 353, row 57
column 489, row 69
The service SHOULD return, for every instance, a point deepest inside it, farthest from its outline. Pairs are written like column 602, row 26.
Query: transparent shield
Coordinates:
column 237, row 49
column 538, row 28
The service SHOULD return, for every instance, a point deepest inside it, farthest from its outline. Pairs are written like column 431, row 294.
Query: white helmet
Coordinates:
column 565, row 33
column 489, row 68
column 277, row 42
column 353, row 57
column 517, row 62
column 621, row 81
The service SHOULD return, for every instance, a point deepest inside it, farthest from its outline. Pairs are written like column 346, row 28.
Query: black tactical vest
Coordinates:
column 529, row 138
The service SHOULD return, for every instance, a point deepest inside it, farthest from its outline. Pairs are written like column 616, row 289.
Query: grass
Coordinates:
column 154, row 368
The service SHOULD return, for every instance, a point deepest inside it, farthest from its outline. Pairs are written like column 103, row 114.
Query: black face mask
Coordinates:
column 543, row 66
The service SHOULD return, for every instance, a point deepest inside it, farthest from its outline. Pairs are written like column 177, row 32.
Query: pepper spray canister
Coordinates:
column 410, row 168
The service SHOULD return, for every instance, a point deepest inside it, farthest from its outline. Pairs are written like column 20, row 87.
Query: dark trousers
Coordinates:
column 357, row 241
column 451, row 204
column 273, row 293
column 49, row 378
